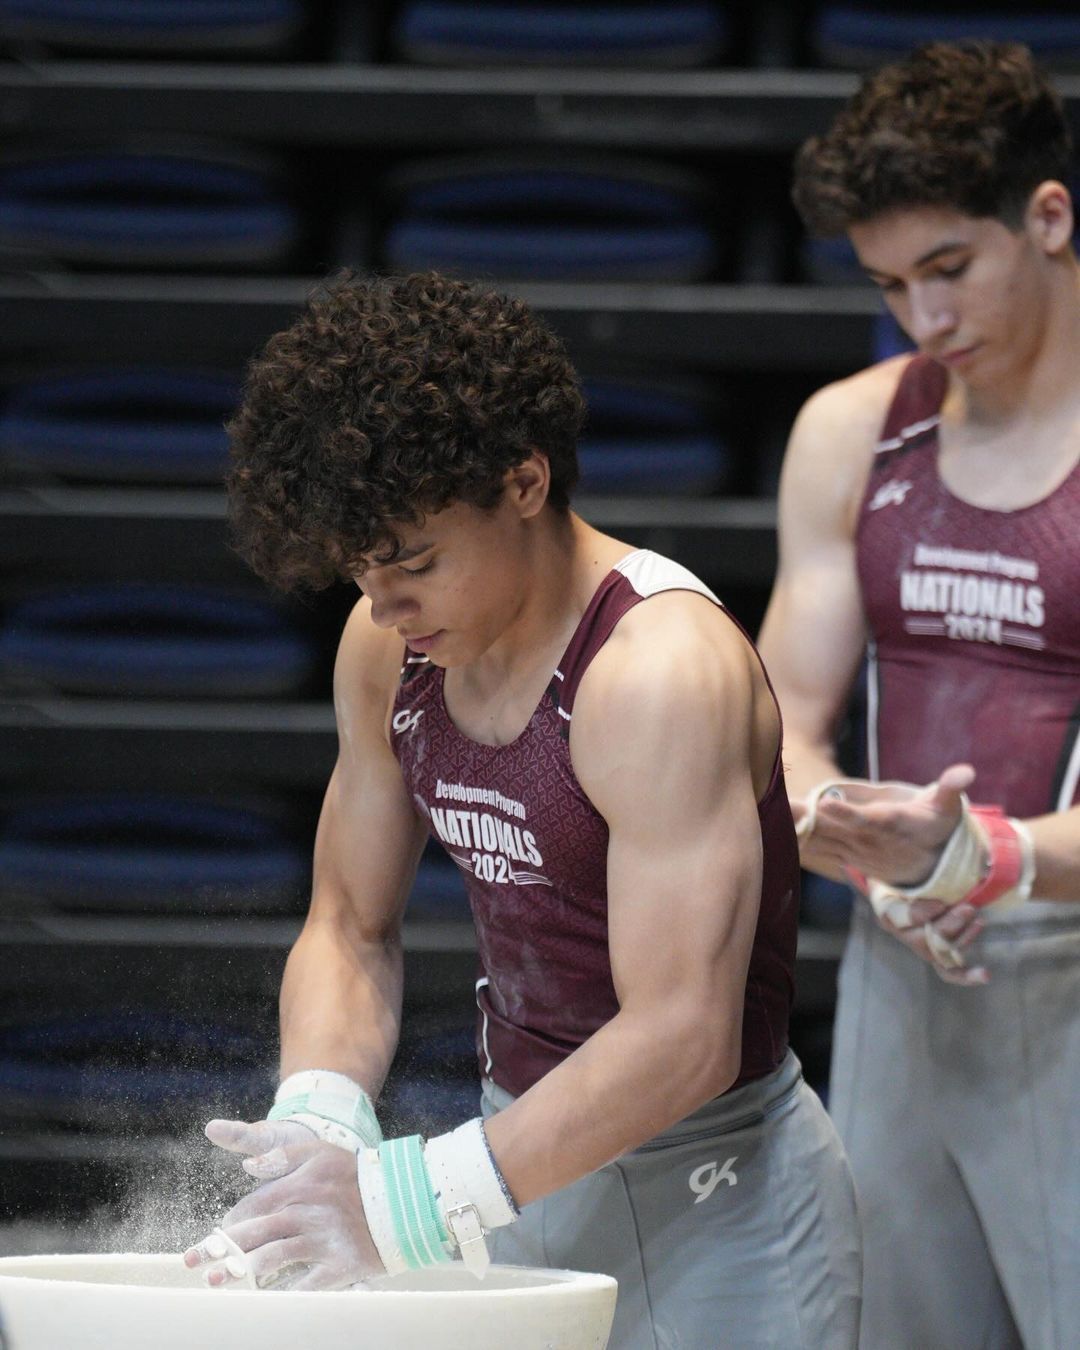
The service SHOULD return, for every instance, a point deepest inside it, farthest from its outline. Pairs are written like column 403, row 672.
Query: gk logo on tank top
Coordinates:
column 891, row 493
column 406, row 720
column 705, row 1179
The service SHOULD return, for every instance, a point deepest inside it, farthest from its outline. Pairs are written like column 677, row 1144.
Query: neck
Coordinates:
column 565, row 561
column 1044, row 379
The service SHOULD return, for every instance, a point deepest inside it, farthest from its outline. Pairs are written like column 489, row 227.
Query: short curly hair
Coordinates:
column 971, row 125
column 388, row 399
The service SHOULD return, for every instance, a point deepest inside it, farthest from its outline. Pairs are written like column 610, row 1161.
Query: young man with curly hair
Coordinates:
column 928, row 508
column 594, row 741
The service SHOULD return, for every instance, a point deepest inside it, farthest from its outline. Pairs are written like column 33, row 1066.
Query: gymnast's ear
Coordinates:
column 1049, row 216
column 527, row 484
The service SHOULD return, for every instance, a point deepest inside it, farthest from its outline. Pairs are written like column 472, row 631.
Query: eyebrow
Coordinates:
column 950, row 246
column 404, row 555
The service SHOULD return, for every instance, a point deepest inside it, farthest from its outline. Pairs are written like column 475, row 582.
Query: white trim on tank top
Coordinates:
column 650, row 573
column 872, row 701
column 906, row 434
column 1069, row 781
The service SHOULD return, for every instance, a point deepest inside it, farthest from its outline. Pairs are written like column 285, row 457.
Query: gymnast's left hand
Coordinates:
column 302, row 1228
column 893, row 831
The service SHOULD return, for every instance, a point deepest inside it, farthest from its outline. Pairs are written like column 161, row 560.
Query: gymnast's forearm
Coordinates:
column 341, row 1001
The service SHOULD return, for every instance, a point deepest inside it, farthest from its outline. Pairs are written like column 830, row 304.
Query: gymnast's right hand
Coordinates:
column 304, row 1227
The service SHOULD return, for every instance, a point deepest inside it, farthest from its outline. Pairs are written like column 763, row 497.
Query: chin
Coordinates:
column 445, row 656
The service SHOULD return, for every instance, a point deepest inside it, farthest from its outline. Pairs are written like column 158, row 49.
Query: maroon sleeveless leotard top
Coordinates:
column 974, row 619
column 533, row 852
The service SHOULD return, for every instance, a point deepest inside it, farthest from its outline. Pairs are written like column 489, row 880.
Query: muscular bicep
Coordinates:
column 684, row 852
column 684, row 885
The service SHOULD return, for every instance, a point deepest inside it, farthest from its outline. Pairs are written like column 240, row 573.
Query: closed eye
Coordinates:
column 419, row 571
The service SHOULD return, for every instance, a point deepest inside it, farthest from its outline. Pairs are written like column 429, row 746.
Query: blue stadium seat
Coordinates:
column 444, row 33
column 113, row 1070
column 140, row 207
column 830, row 262
column 153, row 640
column 130, row 425
column 825, row 903
column 889, row 338
column 438, row 891
column 541, row 218
column 833, row 262
column 150, row 27
column 428, row 1104
column 862, row 35
column 124, row 852
column 642, row 439
column 435, row 1083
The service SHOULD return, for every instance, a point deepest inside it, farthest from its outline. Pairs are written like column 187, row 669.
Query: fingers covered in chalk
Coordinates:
column 238, row 1136
column 274, row 1148
column 223, row 1260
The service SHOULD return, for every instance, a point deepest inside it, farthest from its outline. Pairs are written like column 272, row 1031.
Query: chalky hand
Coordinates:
column 304, row 1228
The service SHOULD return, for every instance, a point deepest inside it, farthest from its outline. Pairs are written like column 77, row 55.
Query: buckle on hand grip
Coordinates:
column 468, row 1232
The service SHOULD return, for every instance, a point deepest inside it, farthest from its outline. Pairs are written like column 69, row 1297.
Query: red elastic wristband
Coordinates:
column 858, row 879
column 1006, row 857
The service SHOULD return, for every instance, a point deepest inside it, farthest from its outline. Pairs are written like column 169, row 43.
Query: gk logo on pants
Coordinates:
column 705, row 1179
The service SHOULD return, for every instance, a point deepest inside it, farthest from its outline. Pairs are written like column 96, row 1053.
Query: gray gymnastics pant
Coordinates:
column 736, row 1227
column 958, row 1108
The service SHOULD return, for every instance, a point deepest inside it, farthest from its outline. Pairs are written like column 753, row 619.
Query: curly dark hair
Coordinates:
column 388, row 399
column 971, row 125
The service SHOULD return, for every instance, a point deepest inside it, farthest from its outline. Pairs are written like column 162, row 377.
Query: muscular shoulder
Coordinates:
column 366, row 673
column 675, row 669
column 832, row 445
column 844, row 418
column 667, row 632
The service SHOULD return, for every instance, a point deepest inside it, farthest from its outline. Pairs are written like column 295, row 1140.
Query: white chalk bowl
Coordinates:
column 124, row 1302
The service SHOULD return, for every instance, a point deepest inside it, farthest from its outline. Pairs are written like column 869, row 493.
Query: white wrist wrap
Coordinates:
column 961, row 865
column 331, row 1105
column 989, row 859
column 469, row 1190
column 1006, row 868
column 888, row 903
column 831, row 787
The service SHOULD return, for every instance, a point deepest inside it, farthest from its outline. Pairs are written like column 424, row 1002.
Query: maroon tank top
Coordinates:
column 533, row 852
column 974, row 619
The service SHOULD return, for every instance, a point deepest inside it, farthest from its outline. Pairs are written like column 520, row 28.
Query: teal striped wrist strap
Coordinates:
column 420, row 1232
